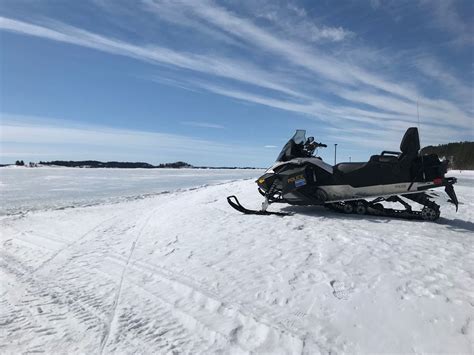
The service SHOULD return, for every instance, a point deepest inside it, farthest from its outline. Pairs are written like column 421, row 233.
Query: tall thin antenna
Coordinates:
column 418, row 114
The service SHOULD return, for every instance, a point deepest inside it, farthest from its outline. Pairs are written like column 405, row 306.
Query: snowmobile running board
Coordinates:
column 234, row 202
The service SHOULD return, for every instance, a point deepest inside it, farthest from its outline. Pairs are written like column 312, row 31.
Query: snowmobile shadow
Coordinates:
column 457, row 224
column 320, row 211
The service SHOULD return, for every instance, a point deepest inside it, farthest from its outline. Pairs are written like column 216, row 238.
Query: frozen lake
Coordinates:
column 36, row 188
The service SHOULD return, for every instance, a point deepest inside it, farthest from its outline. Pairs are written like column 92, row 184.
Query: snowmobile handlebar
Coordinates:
column 310, row 146
column 317, row 145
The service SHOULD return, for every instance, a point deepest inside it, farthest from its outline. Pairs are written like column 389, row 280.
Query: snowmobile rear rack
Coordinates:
column 234, row 202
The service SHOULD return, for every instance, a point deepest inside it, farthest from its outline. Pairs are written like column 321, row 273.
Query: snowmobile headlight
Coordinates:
column 261, row 181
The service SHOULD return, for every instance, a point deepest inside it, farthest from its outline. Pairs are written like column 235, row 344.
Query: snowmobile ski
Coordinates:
column 234, row 202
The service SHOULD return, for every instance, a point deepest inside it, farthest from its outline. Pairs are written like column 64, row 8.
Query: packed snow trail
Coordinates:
column 183, row 272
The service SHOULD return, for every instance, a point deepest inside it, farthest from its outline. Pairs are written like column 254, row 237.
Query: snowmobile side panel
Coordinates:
column 348, row 192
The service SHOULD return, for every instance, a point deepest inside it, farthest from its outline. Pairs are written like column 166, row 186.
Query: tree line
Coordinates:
column 460, row 155
column 113, row 164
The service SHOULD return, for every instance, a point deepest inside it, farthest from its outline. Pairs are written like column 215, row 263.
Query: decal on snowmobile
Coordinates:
column 297, row 179
column 300, row 178
column 300, row 182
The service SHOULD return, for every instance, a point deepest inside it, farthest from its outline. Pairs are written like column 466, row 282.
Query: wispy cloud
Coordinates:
column 430, row 67
column 398, row 114
column 294, row 21
column 202, row 124
column 286, row 64
column 82, row 141
column 296, row 53
column 445, row 16
column 342, row 74
column 213, row 65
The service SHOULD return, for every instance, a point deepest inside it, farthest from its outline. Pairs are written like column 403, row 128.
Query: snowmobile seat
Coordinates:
column 386, row 168
column 410, row 142
column 384, row 159
column 346, row 168
column 409, row 147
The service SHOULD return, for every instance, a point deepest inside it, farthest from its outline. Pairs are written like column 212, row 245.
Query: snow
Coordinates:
column 183, row 272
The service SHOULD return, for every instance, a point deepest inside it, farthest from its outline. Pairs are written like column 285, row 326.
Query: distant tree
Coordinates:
column 114, row 164
column 20, row 163
column 460, row 155
column 176, row 165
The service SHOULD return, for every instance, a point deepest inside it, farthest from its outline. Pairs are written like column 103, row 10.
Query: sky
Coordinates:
column 228, row 82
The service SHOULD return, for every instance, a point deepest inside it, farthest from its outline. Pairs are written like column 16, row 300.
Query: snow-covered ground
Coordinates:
column 183, row 272
column 55, row 187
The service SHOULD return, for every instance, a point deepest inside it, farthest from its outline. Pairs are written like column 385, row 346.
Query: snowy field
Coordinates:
column 39, row 188
column 183, row 272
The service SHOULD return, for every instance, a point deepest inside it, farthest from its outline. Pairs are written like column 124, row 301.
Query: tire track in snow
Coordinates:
column 225, row 304
column 200, row 309
column 74, row 242
column 119, row 291
column 68, row 296
column 37, row 307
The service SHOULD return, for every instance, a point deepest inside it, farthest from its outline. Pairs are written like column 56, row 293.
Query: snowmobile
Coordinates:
column 298, row 177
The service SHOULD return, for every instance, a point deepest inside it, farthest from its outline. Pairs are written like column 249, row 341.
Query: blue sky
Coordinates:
column 228, row 82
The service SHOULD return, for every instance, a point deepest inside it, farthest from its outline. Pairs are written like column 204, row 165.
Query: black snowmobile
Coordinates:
column 300, row 178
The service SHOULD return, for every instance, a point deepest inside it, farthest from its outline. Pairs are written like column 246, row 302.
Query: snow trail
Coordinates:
column 119, row 290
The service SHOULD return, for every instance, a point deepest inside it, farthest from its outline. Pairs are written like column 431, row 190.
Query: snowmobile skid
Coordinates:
column 299, row 178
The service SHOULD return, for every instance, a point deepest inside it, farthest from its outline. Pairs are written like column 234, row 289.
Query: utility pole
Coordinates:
column 335, row 153
column 350, row 159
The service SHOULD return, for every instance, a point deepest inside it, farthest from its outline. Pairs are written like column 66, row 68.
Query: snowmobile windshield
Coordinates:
column 293, row 148
column 299, row 137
